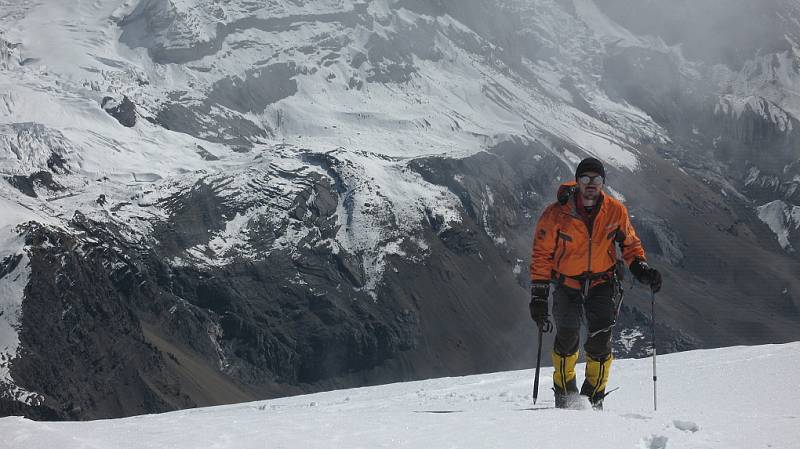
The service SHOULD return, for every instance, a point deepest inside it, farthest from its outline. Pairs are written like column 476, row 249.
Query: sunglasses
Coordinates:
column 595, row 180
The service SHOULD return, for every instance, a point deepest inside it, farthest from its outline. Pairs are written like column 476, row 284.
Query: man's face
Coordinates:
column 590, row 185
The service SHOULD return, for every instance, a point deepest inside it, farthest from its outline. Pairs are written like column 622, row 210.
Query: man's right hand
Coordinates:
column 540, row 291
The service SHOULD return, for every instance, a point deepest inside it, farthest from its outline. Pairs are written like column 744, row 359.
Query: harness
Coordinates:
column 586, row 279
column 617, row 296
column 615, row 275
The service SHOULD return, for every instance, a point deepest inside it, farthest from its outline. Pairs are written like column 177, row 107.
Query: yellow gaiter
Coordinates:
column 564, row 373
column 597, row 374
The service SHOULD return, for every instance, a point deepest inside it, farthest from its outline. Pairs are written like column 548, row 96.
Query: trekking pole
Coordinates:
column 655, row 377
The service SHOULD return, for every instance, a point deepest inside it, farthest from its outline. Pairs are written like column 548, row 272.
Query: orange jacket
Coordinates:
column 563, row 249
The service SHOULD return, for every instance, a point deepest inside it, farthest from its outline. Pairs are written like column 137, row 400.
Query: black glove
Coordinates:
column 540, row 291
column 647, row 275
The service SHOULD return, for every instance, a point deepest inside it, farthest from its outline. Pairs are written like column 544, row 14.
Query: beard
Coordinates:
column 590, row 194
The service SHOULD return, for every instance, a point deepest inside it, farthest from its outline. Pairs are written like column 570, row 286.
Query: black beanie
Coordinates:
column 590, row 164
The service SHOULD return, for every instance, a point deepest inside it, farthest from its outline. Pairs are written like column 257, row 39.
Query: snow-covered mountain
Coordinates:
column 209, row 202
column 702, row 402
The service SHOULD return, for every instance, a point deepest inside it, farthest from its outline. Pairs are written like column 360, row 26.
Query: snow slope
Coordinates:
column 739, row 397
column 782, row 219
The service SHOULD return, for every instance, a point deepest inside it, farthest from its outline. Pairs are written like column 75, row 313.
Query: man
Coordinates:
column 574, row 249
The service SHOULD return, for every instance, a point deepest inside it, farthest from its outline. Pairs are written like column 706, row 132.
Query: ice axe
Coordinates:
column 546, row 327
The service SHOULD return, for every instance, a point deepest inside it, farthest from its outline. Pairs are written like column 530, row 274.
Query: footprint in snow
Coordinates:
column 635, row 416
column 653, row 442
column 686, row 426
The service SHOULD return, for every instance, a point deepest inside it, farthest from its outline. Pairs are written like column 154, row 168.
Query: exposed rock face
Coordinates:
column 258, row 89
column 124, row 111
column 29, row 184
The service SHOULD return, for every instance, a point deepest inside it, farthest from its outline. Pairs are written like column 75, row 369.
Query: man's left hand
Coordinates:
column 647, row 275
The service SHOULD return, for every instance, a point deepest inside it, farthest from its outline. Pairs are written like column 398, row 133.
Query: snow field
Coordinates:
column 782, row 219
column 739, row 397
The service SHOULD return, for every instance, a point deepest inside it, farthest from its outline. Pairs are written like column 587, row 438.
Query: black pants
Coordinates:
column 568, row 313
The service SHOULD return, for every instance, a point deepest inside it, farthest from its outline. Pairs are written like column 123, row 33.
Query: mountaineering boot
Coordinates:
column 566, row 398
column 565, row 386
column 594, row 386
